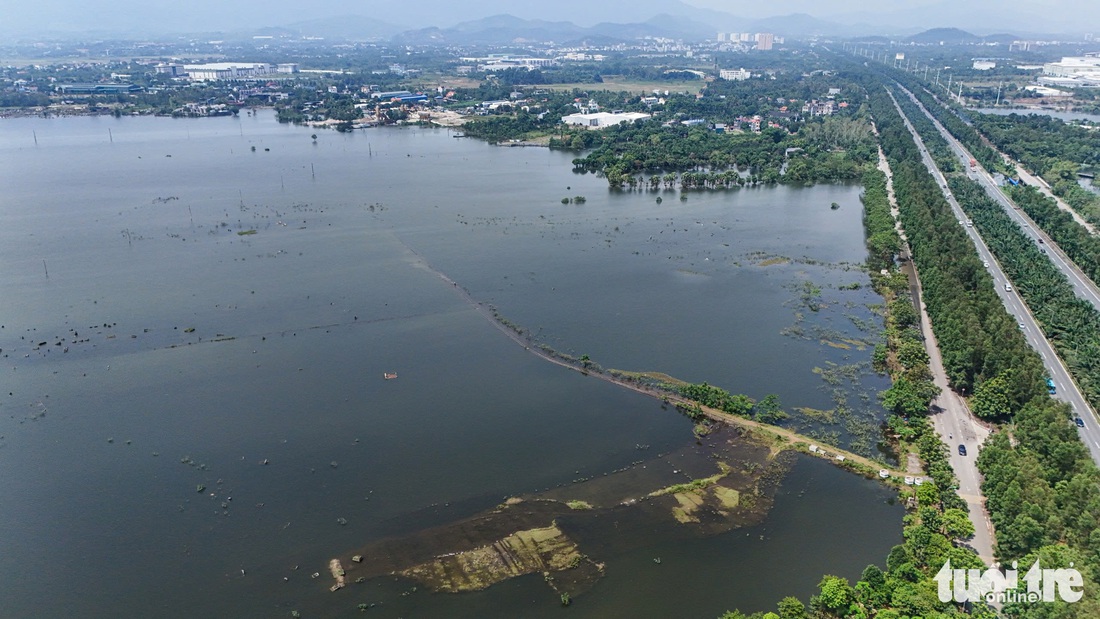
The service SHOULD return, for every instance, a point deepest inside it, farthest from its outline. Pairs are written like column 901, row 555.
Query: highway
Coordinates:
column 1067, row 389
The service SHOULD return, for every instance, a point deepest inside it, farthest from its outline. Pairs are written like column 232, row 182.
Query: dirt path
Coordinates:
column 792, row 439
column 1043, row 188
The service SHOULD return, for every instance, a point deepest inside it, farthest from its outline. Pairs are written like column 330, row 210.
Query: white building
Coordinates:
column 1074, row 66
column 1072, row 71
column 500, row 62
column 735, row 75
column 228, row 70
column 170, row 69
column 984, row 65
column 601, row 120
column 1043, row 91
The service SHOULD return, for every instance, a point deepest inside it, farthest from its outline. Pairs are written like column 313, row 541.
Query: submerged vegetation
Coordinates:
column 545, row 533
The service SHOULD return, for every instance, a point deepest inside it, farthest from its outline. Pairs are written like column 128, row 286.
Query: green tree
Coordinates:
column 956, row 524
column 907, row 398
column 768, row 409
column 991, row 397
column 791, row 608
column 911, row 353
column 836, row 594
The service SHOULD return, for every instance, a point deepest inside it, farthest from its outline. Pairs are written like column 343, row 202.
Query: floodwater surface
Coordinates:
column 198, row 315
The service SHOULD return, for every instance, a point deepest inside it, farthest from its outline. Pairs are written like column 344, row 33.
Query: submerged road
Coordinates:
column 832, row 454
column 1066, row 388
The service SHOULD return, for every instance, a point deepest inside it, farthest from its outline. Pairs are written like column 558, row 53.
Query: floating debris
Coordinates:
column 337, row 573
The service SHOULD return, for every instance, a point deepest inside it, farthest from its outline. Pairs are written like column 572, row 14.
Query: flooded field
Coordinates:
column 199, row 317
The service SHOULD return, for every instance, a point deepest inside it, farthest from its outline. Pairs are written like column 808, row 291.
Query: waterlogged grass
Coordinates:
column 817, row 414
column 865, row 325
column 727, row 497
column 695, row 484
column 835, row 374
column 578, row 504
column 659, row 378
column 524, row 552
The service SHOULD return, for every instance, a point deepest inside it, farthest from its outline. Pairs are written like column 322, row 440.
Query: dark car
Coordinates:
column 1080, row 422
column 962, row 450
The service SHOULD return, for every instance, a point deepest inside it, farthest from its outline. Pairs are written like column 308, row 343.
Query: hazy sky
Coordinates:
column 156, row 16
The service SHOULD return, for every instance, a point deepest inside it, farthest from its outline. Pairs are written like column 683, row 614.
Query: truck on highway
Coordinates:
column 973, row 163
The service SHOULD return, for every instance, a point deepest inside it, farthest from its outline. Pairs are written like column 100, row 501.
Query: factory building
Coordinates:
column 601, row 120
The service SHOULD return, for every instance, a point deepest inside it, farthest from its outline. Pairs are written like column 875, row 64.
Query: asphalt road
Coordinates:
column 1066, row 388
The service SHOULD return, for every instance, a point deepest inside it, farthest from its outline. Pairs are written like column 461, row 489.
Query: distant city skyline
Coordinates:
column 28, row 17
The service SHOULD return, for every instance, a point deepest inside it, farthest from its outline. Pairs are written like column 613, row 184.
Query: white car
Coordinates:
column 985, row 264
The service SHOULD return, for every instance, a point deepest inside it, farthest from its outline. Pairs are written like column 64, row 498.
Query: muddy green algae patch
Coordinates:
column 544, row 550
column 572, row 533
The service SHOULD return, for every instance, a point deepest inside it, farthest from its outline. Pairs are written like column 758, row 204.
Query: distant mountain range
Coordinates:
column 947, row 36
column 508, row 29
column 504, row 21
column 505, row 29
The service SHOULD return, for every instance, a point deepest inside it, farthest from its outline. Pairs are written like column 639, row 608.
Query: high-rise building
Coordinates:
column 764, row 40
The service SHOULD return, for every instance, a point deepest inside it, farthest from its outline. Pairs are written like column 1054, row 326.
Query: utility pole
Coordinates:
column 999, row 84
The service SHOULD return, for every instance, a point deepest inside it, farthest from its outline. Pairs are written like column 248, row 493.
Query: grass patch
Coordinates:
column 647, row 377
column 817, row 414
column 246, row 233
column 695, row 484
column 579, row 504
column 728, row 497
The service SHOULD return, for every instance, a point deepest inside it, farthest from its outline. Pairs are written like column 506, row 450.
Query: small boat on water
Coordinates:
column 389, row 375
